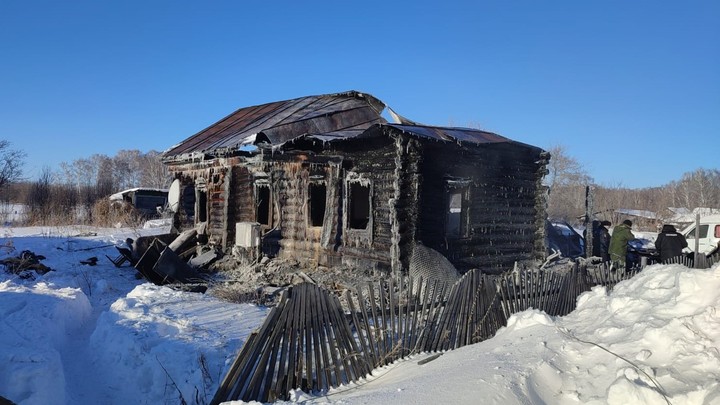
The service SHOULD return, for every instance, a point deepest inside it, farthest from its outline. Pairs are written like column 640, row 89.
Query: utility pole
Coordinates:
column 697, row 241
column 588, row 221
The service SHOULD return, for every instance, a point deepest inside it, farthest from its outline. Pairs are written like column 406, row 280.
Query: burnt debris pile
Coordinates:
column 178, row 260
column 25, row 264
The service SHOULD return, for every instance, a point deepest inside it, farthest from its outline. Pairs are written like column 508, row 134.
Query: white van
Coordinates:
column 709, row 234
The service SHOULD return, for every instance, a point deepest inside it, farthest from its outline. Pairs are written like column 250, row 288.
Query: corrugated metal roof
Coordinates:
column 327, row 118
column 281, row 121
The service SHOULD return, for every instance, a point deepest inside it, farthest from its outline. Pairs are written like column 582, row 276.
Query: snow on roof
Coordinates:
column 637, row 213
column 685, row 216
column 120, row 194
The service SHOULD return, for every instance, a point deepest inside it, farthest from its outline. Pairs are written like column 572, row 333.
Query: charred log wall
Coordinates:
column 301, row 238
column 241, row 207
column 500, row 210
column 230, row 187
column 217, row 224
column 377, row 162
column 408, row 180
column 503, row 206
column 209, row 192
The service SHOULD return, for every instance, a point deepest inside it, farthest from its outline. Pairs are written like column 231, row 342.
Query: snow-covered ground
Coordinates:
column 97, row 335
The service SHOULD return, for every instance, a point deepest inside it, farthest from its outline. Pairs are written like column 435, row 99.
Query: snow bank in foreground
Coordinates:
column 97, row 335
column 36, row 322
column 155, row 345
column 663, row 327
column 156, row 337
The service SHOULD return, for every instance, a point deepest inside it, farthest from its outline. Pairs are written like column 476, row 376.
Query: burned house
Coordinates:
column 327, row 180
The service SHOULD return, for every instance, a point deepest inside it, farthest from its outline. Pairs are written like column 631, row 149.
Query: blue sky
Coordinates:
column 631, row 89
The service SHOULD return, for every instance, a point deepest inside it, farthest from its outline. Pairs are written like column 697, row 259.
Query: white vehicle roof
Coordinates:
column 709, row 219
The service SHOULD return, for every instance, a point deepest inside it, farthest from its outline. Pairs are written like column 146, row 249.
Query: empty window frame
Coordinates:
column 201, row 205
column 188, row 201
column 456, row 210
column 317, row 196
column 358, row 205
column 263, row 204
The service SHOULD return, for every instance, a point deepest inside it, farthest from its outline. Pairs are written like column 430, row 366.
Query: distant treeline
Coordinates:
column 698, row 189
column 71, row 194
column 76, row 193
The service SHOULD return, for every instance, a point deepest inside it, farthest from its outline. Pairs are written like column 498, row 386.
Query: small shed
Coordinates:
column 328, row 180
column 147, row 201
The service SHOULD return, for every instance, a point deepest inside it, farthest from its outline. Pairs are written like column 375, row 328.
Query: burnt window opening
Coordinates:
column 188, row 201
column 456, row 211
column 201, row 205
column 317, row 193
column 358, row 206
column 262, row 203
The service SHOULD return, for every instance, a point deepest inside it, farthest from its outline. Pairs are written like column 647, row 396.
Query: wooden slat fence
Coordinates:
column 603, row 274
column 312, row 341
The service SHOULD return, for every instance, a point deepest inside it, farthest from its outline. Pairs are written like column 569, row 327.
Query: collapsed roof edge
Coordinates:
column 231, row 130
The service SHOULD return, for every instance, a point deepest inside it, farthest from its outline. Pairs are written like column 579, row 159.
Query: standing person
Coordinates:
column 669, row 243
column 621, row 235
column 601, row 244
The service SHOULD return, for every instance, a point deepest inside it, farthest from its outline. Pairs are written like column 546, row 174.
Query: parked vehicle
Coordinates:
column 708, row 235
column 639, row 248
column 562, row 237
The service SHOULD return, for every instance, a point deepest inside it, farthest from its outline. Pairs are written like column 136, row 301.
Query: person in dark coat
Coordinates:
column 669, row 243
column 601, row 242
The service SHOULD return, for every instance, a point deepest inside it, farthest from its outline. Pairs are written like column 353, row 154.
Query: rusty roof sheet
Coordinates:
column 281, row 121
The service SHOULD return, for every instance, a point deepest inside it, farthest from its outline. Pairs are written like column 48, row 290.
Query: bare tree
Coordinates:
column 11, row 162
column 105, row 183
column 564, row 170
column 127, row 168
column 153, row 172
column 39, row 198
column 136, row 169
column 566, row 181
column 700, row 188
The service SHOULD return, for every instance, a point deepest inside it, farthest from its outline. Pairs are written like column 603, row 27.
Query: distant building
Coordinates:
column 147, row 201
column 684, row 216
column 642, row 219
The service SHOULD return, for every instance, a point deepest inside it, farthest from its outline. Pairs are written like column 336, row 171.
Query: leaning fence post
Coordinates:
column 697, row 240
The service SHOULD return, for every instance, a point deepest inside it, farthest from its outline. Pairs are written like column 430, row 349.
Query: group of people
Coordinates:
column 613, row 248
